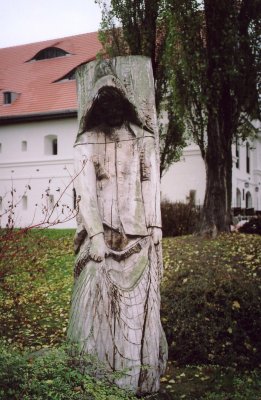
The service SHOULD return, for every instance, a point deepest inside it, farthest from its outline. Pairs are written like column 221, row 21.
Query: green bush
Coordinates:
column 211, row 309
column 252, row 226
column 179, row 218
column 52, row 375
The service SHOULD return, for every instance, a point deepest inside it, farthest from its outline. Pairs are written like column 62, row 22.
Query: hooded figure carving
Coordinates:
column 116, row 301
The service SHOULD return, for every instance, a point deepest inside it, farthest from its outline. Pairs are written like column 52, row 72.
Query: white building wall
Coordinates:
column 247, row 185
column 21, row 169
column 184, row 176
column 30, row 173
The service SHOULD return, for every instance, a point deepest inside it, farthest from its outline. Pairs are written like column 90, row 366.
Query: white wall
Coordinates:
column 249, row 184
column 186, row 175
column 33, row 169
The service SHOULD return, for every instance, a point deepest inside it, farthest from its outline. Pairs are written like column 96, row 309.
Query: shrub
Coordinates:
column 252, row 226
column 211, row 308
column 178, row 218
column 51, row 375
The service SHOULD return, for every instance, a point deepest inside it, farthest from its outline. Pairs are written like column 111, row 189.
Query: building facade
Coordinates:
column 186, row 179
column 38, row 127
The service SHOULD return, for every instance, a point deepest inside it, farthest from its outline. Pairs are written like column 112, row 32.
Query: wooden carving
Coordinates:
column 115, row 312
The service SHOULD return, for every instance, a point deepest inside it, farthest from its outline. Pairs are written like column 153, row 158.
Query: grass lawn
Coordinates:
column 36, row 278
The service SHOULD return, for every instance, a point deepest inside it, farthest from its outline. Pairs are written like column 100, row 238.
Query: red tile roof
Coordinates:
column 34, row 81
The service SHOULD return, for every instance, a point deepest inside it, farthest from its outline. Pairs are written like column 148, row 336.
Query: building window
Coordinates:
column 50, row 145
column 7, row 98
column 24, row 145
column 10, row 97
column 74, row 199
column 50, row 202
column 247, row 158
column 68, row 77
column 238, row 198
column 24, row 202
column 248, row 200
column 1, row 203
column 237, row 154
column 0, row 147
column 50, row 52
column 54, row 147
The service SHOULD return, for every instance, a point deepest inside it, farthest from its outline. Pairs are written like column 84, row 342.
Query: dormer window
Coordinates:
column 10, row 97
column 68, row 77
column 7, row 98
column 49, row 52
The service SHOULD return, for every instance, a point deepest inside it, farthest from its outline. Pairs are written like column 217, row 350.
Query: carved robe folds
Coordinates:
column 119, row 185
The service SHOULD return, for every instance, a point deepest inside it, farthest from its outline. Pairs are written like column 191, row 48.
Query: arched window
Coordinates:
column 50, row 145
column 50, row 202
column 49, row 52
column 54, row 146
column 24, row 145
column 248, row 200
column 238, row 198
column 247, row 158
column 74, row 199
column 24, row 202
column 237, row 154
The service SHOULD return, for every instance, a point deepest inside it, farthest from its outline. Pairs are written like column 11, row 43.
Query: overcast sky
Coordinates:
column 27, row 21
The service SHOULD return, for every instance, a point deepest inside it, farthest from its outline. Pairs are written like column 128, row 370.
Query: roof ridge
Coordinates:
column 50, row 40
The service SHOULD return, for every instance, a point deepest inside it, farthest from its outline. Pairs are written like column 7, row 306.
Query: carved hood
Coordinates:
column 129, row 75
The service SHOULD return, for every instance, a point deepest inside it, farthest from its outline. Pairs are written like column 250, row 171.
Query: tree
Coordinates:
column 143, row 32
column 205, row 56
column 215, row 48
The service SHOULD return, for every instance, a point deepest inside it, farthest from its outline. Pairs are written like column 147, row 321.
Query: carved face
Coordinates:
column 110, row 106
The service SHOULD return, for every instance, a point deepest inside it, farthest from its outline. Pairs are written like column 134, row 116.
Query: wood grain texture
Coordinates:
column 115, row 312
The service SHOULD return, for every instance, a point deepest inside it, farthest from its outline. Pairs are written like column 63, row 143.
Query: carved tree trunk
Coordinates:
column 115, row 312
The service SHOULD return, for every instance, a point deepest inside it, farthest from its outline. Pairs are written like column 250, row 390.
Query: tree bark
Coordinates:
column 216, row 213
column 223, row 114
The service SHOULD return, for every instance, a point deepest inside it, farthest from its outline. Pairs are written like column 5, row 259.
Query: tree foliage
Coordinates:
column 215, row 45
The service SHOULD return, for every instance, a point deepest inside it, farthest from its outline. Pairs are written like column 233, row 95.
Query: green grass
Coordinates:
column 36, row 278
column 36, row 288
column 211, row 299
